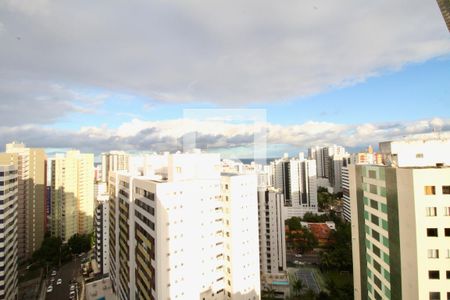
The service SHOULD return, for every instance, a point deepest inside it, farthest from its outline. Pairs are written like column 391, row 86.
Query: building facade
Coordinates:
column 101, row 232
column 185, row 232
column 8, row 232
column 272, row 241
column 401, row 231
column 113, row 161
column 72, row 192
column 32, row 195
column 296, row 179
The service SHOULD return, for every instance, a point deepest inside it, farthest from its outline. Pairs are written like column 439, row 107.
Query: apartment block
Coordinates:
column 8, row 232
column 400, row 231
column 184, row 231
column 32, row 194
column 101, row 232
column 72, row 193
column 272, row 241
column 296, row 179
column 113, row 161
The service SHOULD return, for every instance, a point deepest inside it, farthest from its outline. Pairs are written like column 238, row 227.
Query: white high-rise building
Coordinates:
column 272, row 240
column 296, row 178
column 8, row 232
column 401, row 224
column 101, row 228
column 184, row 231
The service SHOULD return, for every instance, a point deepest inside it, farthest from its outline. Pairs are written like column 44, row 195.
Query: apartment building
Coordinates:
column 8, row 232
column 401, row 224
column 101, row 232
column 272, row 241
column 113, row 161
column 296, row 179
column 184, row 231
column 72, row 194
column 31, row 211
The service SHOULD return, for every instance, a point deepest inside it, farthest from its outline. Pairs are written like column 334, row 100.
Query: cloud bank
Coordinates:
column 139, row 135
column 221, row 51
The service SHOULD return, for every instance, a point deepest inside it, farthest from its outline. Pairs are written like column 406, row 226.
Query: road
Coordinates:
column 308, row 278
column 69, row 271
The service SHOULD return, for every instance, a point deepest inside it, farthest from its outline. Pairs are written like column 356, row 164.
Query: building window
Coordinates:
column 435, row 296
column 419, row 155
column 430, row 190
column 372, row 174
column 447, row 274
column 373, row 189
column 433, row 274
column 432, row 232
column 431, row 211
column 375, row 219
column 374, row 204
column 447, row 231
column 447, row 211
column 433, row 253
column 446, row 189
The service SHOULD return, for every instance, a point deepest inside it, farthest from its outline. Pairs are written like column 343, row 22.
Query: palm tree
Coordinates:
column 298, row 286
column 269, row 293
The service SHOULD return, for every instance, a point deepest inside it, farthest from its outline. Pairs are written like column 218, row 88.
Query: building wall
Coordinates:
column 31, row 164
column 72, row 188
column 8, row 232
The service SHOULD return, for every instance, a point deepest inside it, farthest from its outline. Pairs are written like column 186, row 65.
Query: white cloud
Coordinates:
column 139, row 135
column 219, row 51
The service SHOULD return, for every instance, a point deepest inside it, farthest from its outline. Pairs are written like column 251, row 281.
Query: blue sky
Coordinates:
column 416, row 91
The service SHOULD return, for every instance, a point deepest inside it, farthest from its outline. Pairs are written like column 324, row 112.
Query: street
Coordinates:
column 68, row 272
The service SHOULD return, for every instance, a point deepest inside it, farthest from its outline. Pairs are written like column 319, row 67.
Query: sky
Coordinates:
column 235, row 77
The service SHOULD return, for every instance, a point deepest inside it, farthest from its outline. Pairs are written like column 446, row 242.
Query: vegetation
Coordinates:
column 325, row 200
column 298, row 286
column 300, row 237
column 79, row 243
column 52, row 252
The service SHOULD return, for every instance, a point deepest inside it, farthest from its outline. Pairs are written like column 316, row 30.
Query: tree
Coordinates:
column 298, row 286
column 294, row 223
column 50, row 251
column 79, row 243
column 269, row 293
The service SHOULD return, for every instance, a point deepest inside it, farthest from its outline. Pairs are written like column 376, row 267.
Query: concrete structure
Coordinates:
column 401, row 226
column 272, row 241
column 8, row 232
column 415, row 152
column 99, row 289
column 101, row 232
column 31, row 210
column 444, row 5
column 296, row 179
column 184, row 231
column 113, row 161
column 72, row 187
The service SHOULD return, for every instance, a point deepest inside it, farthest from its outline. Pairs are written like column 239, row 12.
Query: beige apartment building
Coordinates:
column 31, row 166
column 72, row 193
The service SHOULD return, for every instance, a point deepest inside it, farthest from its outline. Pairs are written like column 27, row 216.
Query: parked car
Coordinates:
column 50, row 289
column 59, row 281
column 298, row 255
column 53, row 273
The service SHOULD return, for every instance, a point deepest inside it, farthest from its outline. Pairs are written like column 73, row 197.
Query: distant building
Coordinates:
column 113, row 161
column 272, row 241
column 72, row 187
column 444, row 5
column 400, row 222
column 296, row 179
column 31, row 202
column 8, row 232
